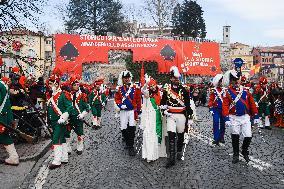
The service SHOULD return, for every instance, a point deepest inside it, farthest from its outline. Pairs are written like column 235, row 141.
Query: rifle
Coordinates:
column 27, row 137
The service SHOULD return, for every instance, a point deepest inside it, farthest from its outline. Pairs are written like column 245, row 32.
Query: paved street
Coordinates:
column 105, row 164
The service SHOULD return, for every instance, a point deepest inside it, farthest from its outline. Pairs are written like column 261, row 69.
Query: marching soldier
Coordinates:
column 176, row 106
column 97, row 100
column 81, row 107
column 59, row 107
column 262, row 101
column 6, row 118
column 128, row 100
column 215, row 108
column 238, row 108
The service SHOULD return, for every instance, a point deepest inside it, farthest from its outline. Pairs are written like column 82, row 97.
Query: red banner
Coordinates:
column 189, row 56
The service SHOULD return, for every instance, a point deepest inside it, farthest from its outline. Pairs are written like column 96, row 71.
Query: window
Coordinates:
column 281, row 71
column 227, row 30
column 227, row 36
column 31, row 53
column 263, row 59
column 48, row 42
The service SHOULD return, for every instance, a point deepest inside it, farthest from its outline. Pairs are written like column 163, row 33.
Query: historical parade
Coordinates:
column 141, row 94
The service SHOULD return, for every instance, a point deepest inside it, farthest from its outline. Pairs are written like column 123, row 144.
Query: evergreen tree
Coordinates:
column 98, row 16
column 176, row 20
column 189, row 20
column 151, row 68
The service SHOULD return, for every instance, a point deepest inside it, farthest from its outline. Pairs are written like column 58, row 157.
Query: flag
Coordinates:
column 142, row 80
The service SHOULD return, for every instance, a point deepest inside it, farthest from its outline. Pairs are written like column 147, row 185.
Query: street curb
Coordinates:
column 38, row 155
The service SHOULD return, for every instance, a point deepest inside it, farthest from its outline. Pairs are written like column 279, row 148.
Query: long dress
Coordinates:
column 153, row 145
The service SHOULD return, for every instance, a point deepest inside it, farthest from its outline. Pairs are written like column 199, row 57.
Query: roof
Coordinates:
column 21, row 31
column 271, row 49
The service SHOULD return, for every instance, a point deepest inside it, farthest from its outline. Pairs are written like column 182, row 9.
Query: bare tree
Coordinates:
column 160, row 11
column 15, row 13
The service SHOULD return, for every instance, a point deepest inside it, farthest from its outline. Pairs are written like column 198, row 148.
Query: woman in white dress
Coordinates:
column 153, row 145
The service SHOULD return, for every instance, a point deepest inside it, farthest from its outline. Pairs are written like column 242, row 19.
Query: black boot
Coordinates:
column 245, row 147
column 131, row 137
column 172, row 150
column 180, row 140
column 235, row 143
column 124, row 137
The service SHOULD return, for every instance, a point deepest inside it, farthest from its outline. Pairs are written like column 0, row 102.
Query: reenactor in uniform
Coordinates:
column 97, row 100
column 215, row 108
column 238, row 108
column 81, row 108
column 6, row 118
column 128, row 100
column 261, row 95
column 175, row 104
column 59, row 108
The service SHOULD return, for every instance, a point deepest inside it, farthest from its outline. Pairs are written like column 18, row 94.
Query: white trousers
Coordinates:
column 241, row 125
column 125, row 118
column 176, row 123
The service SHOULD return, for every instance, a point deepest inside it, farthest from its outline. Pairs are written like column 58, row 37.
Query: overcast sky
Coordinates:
column 253, row 22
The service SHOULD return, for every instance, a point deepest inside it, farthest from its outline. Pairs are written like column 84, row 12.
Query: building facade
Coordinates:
column 26, row 49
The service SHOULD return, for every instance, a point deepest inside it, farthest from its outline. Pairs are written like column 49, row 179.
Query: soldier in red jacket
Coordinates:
column 128, row 100
column 238, row 106
column 215, row 108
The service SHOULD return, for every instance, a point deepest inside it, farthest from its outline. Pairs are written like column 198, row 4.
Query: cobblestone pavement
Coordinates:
column 105, row 164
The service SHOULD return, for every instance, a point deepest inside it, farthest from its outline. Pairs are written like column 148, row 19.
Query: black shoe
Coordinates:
column 246, row 157
column 215, row 143
column 52, row 166
column 64, row 162
column 95, row 127
column 268, row 127
column 69, row 153
column 235, row 159
column 179, row 155
column 79, row 152
column 131, row 151
column 170, row 163
column 222, row 141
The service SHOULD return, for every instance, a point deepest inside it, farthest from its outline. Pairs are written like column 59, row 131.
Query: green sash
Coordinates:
column 158, row 120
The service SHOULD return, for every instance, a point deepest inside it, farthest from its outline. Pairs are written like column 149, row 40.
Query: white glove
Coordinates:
column 167, row 113
column 103, row 104
column 190, row 122
column 256, row 104
column 256, row 121
column 212, row 113
column 163, row 107
column 82, row 115
column 63, row 118
column 147, row 79
column 228, row 123
column 123, row 107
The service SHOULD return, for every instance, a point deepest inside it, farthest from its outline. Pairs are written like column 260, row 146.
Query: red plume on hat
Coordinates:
column 263, row 80
column 57, row 72
column 5, row 79
column 74, row 79
column 54, row 78
column 15, row 69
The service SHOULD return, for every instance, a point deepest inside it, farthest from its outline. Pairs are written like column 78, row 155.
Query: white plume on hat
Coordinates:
column 227, row 75
column 175, row 70
column 123, row 73
column 216, row 79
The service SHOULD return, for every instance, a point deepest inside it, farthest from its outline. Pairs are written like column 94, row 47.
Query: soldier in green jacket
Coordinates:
column 59, row 107
column 97, row 100
column 6, row 118
column 81, row 108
